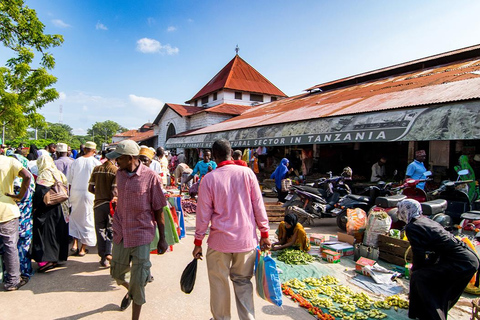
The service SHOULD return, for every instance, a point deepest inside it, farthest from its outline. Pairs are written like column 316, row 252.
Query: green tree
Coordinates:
column 57, row 132
column 102, row 132
column 25, row 85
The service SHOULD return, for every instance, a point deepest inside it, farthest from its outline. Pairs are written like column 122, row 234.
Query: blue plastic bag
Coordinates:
column 266, row 276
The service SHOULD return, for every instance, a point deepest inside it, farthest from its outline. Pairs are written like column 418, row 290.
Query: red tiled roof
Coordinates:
column 455, row 81
column 239, row 75
column 184, row 110
column 225, row 108
column 136, row 135
column 129, row 133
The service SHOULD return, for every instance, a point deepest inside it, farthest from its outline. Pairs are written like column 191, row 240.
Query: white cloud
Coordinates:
column 146, row 45
column 62, row 95
column 59, row 23
column 100, row 26
column 85, row 108
column 171, row 29
column 151, row 21
column 190, row 20
column 152, row 106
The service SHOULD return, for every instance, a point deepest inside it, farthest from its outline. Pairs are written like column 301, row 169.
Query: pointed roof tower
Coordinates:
column 238, row 75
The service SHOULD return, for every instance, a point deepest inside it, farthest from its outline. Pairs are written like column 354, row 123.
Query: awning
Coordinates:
column 453, row 121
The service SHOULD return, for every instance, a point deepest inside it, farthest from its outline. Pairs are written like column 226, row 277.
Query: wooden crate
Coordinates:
column 393, row 250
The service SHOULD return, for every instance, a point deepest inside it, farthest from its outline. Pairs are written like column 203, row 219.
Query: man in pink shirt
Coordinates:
column 231, row 201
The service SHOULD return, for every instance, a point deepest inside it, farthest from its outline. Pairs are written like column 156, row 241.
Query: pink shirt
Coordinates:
column 139, row 195
column 230, row 199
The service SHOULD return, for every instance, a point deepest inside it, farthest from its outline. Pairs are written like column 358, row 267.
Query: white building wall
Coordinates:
column 206, row 119
column 170, row 117
column 228, row 96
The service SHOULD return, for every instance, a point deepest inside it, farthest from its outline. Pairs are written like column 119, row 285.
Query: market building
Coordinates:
column 236, row 88
column 430, row 103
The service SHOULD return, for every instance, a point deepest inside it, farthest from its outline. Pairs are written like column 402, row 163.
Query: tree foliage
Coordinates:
column 102, row 132
column 25, row 87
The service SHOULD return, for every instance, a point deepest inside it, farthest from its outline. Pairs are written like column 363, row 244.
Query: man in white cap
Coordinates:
column 139, row 209
column 82, row 223
column 63, row 161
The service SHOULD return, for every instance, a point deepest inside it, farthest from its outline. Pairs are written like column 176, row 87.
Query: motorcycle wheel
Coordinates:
column 342, row 220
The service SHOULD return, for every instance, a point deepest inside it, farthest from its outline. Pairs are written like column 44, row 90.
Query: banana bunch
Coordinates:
column 350, row 317
column 376, row 314
column 348, row 307
column 322, row 302
column 395, row 301
column 360, row 316
column 336, row 312
column 381, row 304
column 314, row 282
column 295, row 283
column 362, row 300
column 340, row 297
column 344, row 289
column 329, row 280
column 308, row 294
column 325, row 290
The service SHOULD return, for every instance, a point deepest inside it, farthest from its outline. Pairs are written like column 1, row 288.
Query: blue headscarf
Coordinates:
column 280, row 173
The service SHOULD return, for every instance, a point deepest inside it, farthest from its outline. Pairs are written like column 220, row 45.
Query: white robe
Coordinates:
column 82, row 223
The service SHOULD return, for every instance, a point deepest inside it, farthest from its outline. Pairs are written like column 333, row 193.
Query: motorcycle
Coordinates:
column 318, row 200
column 365, row 201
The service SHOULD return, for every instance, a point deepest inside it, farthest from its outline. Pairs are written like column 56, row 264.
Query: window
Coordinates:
column 214, row 96
column 273, row 99
column 205, row 100
column 256, row 97
column 238, row 95
column 196, row 103
column 170, row 131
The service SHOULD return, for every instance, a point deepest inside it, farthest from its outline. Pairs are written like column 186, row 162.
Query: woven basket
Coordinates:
column 475, row 309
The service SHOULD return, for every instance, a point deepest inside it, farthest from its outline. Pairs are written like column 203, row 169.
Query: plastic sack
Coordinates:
column 378, row 222
column 266, row 276
column 356, row 220
column 187, row 281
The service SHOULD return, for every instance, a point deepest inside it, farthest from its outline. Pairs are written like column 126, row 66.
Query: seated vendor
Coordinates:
column 291, row 234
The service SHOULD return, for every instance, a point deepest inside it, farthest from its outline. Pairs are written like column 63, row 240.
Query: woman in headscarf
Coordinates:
column 50, row 231
column 278, row 175
column 25, row 220
column 33, row 154
column 291, row 234
column 442, row 264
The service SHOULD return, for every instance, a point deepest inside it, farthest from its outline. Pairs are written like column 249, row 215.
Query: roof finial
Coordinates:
column 237, row 49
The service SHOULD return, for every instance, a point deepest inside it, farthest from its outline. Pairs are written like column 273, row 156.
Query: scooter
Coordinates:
column 365, row 201
column 318, row 201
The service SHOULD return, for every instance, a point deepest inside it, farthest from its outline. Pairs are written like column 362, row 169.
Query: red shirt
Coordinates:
column 139, row 195
column 241, row 163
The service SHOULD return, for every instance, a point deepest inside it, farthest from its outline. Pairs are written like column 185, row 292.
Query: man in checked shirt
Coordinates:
column 139, row 209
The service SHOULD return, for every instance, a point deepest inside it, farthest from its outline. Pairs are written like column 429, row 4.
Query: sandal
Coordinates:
column 82, row 254
column 74, row 252
column 47, row 267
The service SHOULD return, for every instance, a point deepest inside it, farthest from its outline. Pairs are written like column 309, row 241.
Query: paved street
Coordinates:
column 83, row 290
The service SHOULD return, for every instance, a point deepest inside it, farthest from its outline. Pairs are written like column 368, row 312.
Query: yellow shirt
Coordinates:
column 302, row 242
column 9, row 169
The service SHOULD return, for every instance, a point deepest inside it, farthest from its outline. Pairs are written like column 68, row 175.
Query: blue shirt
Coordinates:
column 202, row 168
column 415, row 171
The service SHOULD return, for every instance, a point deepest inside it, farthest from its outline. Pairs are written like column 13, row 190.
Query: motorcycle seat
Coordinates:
column 359, row 198
column 433, row 207
column 390, row 201
column 471, row 215
column 309, row 189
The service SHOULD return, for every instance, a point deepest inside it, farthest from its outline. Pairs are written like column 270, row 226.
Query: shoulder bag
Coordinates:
column 58, row 193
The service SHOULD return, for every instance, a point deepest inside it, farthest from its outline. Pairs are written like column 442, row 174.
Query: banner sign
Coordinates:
column 458, row 121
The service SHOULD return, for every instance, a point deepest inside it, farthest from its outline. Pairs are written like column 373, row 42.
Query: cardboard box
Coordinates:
column 362, row 263
column 341, row 247
column 331, row 256
column 343, row 237
column 332, row 238
column 316, row 239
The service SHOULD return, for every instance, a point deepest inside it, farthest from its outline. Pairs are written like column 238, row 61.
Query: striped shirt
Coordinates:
column 139, row 195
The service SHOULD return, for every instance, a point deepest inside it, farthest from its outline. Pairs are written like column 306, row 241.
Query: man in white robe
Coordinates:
column 82, row 223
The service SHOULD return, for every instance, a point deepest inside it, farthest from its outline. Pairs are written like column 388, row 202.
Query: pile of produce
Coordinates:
column 189, row 206
column 327, row 299
column 292, row 256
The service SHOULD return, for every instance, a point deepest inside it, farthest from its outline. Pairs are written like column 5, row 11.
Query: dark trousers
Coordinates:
column 9, row 235
column 103, row 229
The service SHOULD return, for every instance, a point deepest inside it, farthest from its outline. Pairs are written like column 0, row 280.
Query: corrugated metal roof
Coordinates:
column 184, row 110
column 446, row 83
column 135, row 135
column 239, row 75
column 226, row 108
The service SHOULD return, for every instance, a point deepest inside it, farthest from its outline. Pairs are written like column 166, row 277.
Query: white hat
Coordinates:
column 90, row 145
column 125, row 147
column 62, row 147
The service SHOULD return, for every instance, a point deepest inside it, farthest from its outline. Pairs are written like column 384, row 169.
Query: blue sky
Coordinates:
column 121, row 60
